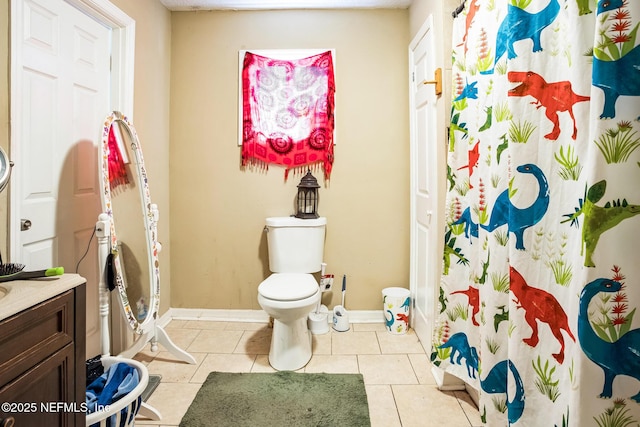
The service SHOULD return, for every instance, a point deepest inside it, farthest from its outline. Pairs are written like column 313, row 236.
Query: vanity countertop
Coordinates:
column 18, row 295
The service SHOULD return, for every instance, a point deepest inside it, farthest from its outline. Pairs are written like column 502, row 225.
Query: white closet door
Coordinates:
column 426, row 243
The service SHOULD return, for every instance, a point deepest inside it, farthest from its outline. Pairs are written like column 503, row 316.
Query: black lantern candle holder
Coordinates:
column 307, row 201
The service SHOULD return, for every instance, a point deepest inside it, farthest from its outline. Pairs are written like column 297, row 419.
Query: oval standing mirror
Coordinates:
column 134, row 244
column 127, row 201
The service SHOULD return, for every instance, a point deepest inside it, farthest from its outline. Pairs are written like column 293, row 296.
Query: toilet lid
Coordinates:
column 288, row 286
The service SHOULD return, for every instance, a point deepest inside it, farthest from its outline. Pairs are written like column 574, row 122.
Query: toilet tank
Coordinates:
column 295, row 245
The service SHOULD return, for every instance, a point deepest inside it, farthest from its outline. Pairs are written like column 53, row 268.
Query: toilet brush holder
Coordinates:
column 318, row 323
column 340, row 319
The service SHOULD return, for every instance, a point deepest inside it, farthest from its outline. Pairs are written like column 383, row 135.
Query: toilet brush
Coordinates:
column 340, row 314
column 317, row 321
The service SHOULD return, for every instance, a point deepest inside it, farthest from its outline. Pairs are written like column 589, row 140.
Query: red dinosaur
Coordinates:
column 471, row 14
column 474, row 156
column 554, row 97
column 403, row 318
column 474, row 301
column 543, row 306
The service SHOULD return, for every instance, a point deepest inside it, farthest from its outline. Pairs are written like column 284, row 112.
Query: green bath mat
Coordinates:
column 279, row 399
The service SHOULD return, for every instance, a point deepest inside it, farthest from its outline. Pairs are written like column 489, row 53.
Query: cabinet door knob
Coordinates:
column 25, row 224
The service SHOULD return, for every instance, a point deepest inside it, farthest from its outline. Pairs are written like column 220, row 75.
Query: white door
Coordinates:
column 62, row 61
column 426, row 243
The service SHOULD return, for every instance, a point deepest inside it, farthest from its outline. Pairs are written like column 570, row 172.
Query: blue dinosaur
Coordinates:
column 616, row 77
column 517, row 219
column 606, row 5
column 406, row 303
column 521, row 25
column 497, row 382
column 470, row 91
column 459, row 344
column 621, row 357
column 470, row 227
column 603, row 6
column 388, row 322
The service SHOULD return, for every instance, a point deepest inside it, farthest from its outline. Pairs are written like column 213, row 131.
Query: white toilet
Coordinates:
column 288, row 295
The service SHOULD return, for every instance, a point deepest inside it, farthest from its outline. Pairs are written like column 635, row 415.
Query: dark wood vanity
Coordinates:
column 42, row 352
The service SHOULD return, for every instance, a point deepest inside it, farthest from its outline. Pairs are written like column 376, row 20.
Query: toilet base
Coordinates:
column 290, row 345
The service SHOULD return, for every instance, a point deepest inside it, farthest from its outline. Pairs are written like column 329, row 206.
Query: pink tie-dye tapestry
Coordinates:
column 288, row 112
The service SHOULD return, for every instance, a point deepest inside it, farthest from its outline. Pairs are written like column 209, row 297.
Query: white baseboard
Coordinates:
column 366, row 316
column 219, row 315
column 257, row 316
column 164, row 319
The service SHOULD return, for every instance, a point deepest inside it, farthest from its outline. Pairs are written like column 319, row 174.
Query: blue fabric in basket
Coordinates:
column 117, row 381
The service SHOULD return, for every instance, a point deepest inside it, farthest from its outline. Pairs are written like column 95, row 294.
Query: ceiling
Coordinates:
column 190, row 5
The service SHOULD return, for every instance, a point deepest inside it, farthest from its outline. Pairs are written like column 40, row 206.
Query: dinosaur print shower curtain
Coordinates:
column 540, row 292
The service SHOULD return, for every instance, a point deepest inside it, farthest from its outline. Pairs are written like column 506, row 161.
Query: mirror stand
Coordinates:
column 149, row 331
column 157, row 335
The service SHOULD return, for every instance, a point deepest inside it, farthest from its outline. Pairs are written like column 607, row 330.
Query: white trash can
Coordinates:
column 395, row 307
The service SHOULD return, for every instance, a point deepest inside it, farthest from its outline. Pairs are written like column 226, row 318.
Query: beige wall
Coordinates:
column 151, row 114
column 217, row 209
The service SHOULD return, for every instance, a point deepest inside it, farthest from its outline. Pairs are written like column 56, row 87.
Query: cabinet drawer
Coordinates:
column 31, row 335
column 51, row 381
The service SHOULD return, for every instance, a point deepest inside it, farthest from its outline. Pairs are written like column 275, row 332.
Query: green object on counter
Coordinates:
column 23, row 275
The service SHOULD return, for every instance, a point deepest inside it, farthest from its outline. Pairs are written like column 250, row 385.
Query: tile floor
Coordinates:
column 396, row 370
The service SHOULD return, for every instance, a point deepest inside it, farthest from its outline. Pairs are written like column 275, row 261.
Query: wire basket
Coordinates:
column 128, row 406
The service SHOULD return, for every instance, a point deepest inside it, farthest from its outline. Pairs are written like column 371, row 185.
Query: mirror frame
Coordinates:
column 5, row 169
column 150, row 223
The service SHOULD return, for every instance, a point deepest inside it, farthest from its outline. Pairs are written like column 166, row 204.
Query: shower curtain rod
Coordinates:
column 458, row 10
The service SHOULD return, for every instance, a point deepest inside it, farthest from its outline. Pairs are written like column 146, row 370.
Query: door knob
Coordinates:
column 25, row 224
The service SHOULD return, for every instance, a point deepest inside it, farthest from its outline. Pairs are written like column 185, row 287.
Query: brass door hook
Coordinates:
column 437, row 81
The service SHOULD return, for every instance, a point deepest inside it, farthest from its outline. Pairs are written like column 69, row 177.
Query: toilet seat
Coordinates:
column 288, row 286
